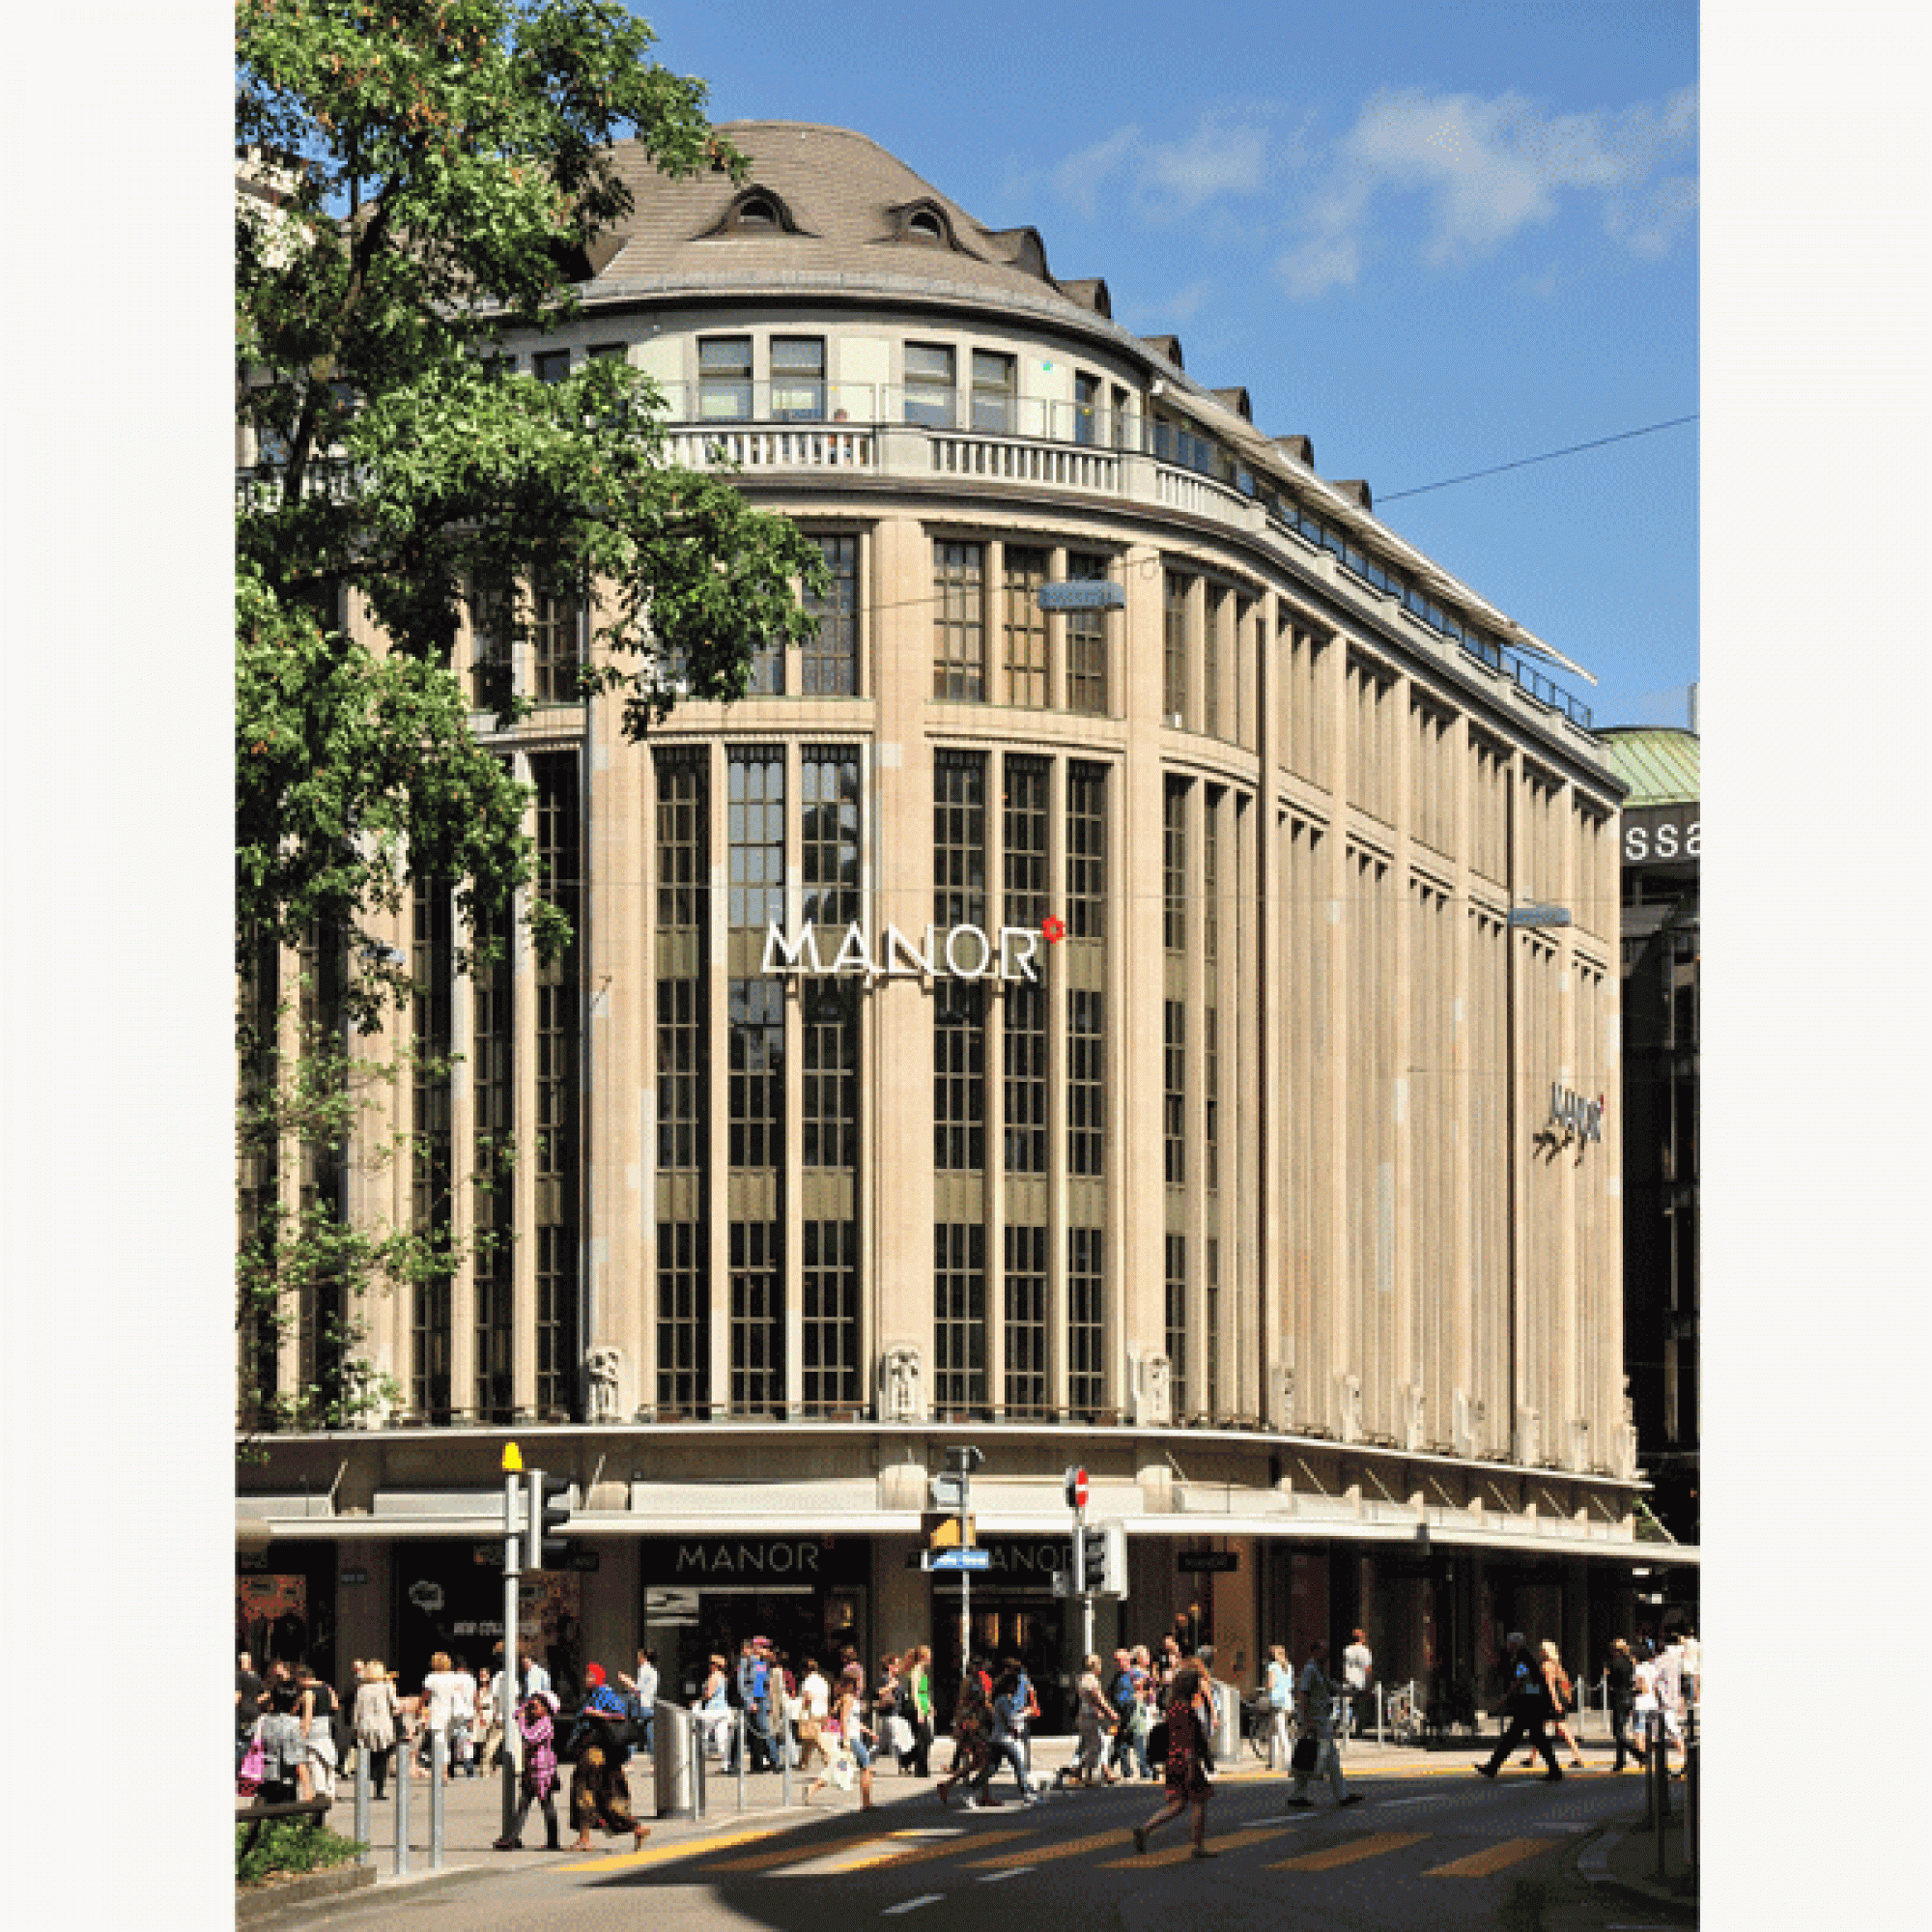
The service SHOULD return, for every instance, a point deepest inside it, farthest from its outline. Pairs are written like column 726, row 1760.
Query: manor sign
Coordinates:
column 957, row 953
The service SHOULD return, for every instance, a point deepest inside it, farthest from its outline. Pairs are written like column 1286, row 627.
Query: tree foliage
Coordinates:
column 417, row 179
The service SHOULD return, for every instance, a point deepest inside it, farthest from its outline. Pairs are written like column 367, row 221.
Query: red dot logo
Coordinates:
column 1054, row 928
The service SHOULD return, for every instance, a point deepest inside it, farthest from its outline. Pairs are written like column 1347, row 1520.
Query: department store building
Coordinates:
column 1089, row 1026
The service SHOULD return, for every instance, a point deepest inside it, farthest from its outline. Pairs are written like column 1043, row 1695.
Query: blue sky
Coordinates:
column 1433, row 238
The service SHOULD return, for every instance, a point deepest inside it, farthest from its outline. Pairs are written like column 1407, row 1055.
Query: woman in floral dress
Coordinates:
column 599, row 1794
column 1190, row 1718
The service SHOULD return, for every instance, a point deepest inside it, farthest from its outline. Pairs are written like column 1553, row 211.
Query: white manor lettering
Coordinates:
column 958, row 952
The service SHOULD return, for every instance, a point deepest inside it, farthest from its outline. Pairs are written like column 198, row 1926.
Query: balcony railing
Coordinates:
column 884, row 429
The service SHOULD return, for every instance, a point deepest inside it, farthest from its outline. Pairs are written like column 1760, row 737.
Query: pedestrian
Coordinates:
column 284, row 1752
column 1095, row 1721
column 891, row 1703
column 1147, row 1714
column 536, row 1782
column 856, row 1738
column 971, row 1720
column 916, row 1705
column 1644, row 1706
column 1314, row 1754
column 1007, row 1708
column 463, row 1723
column 643, row 1691
column 315, row 1710
column 486, row 1729
column 1620, row 1675
column 1190, row 1714
column 1671, row 1688
column 815, row 1709
column 1358, row 1665
column 438, row 1709
column 599, row 1793
column 375, row 1717
column 1528, row 1709
column 1120, row 1696
column 714, row 1710
column 754, row 1682
column 1562, row 1701
column 1280, row 1703
column 1026, row 1714
column 1694, row 1665
column 249, row 1691
column 345, row 1736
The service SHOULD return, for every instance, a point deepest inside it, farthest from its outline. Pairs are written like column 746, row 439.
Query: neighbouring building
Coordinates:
column 1662, row 950
column 1129, row 1025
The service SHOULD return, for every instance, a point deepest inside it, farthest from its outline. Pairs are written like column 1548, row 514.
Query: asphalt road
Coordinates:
column 1442, row 1851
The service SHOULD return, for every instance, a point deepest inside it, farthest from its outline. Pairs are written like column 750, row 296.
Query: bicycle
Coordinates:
column 1258, row 1718
column 1401, row 1716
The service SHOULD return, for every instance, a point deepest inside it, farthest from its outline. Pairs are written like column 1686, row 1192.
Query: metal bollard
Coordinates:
column 741, row 1758
column 406, row 1768
column 1378, row 1714
column 439, row 1767
column 362, row 1807
column 1691, row 1790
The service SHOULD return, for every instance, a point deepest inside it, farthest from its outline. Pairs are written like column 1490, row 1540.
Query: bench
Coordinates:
column 255, row 1815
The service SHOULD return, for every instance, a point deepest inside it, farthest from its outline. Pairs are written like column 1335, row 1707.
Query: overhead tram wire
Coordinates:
column 1549, row 456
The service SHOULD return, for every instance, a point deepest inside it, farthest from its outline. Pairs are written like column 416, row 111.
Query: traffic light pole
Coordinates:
column 965, row 1579
column 512, row 1574
column 1084, row 1584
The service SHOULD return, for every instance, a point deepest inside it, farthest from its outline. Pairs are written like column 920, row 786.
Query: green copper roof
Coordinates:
column 1658, row 762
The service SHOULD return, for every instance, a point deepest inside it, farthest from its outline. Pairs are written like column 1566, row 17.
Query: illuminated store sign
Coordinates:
column 956, row 952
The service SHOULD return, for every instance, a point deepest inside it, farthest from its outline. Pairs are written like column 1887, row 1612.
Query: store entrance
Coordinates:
column 688, row 1627
column 1026, row 1627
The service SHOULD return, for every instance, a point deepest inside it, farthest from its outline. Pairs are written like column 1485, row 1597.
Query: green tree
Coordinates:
column 418, row 179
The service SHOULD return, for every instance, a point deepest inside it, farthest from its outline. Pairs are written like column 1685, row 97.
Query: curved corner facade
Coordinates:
column 1121, row 1027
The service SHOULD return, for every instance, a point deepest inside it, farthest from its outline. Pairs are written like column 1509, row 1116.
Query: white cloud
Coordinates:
column 1219, row 158
column 1232, row 153
column 1488, row 170
column 1079, row 179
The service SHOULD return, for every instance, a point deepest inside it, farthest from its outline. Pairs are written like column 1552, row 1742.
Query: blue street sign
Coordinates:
column 1082, row 593
column 962, row 1560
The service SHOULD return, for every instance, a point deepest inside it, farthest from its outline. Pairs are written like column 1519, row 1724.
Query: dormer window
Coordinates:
column 758, row 211
column 925, row 226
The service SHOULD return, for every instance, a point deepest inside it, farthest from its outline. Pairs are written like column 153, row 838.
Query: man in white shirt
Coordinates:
column 1357, row 1663
column 643, row 1687
column 1670, row 1688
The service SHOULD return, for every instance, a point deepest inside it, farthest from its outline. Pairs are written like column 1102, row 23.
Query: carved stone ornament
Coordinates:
column 1528, row 1436
column 1154, row 1391
column 604, row 1385
column 1416, row 1418
column 1287, row 1399
column 902, row 1384
column 1348, row 1391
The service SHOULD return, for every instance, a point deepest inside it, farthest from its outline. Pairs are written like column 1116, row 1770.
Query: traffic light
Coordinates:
column 1092, row 1556
column 962, row 1459
column 549, row 1520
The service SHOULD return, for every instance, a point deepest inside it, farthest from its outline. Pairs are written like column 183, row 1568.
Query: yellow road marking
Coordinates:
column 792, row 1852
column 1172, row 1854
column 1371, row 1847
column 1059, row 1848
column 657, row 1855
column 896, row 1856
column 1510, row 1851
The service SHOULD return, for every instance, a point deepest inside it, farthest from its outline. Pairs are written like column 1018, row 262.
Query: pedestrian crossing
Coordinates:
column 1019, row 1849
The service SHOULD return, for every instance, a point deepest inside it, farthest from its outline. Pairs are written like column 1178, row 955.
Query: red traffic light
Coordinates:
column 1076, row 1488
